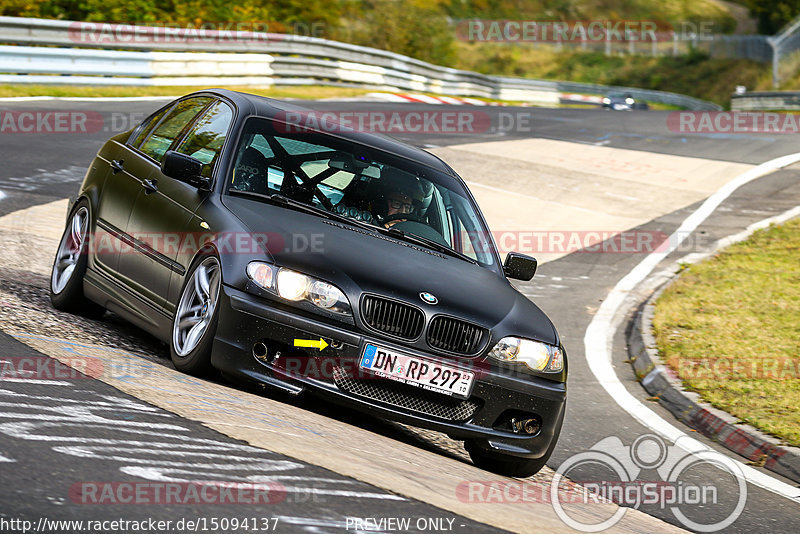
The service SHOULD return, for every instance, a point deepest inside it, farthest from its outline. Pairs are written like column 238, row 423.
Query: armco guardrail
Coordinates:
column 116, row 67
column 768, row 100
column 65, row 52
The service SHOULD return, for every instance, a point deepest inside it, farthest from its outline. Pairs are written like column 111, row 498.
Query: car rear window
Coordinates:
column 161, row 138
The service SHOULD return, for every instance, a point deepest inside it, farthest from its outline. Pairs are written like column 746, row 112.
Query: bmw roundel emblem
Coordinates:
column 428, row 297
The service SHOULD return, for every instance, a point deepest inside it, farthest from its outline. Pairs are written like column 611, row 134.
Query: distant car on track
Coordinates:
column 340, row 263
column 623, row 102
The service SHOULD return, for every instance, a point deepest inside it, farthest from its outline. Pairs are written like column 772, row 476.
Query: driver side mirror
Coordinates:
column 519, row 266
column 185, row 169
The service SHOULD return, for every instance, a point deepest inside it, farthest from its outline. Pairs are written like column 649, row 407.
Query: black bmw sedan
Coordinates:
column 321, row 260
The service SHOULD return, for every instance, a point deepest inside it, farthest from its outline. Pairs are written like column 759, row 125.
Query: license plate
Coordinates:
column 420, row 372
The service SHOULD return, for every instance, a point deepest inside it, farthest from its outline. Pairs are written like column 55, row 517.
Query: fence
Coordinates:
column 785, row 45
column 64, row 52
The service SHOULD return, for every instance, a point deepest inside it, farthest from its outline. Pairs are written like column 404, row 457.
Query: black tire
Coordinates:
column 511, row 466
column 197, row 361
column 66, row 290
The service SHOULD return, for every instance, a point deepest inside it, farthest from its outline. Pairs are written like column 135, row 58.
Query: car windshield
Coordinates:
column 363, row 184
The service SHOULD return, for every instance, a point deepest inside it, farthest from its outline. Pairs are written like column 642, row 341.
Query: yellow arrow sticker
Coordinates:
column 313, row 343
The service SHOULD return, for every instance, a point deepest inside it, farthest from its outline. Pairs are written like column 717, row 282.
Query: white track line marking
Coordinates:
column 600, row 332
column 35, row 381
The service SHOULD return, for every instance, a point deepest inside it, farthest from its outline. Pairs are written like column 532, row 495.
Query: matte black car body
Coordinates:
column 127, row 195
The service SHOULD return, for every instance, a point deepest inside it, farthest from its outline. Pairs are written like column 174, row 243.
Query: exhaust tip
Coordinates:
column 260, row 351
column 530, row 426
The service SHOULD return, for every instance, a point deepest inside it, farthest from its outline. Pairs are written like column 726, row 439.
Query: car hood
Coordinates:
column 361, row 261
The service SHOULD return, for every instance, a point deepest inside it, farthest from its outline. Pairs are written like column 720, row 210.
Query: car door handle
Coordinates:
column 150, row 186
column 116, row 166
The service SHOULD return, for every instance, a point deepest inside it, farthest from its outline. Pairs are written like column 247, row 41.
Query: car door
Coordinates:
column 163, row 214
column 124, row 168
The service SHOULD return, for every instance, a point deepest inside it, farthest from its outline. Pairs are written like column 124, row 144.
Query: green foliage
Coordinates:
column 693, row 74
column 425, row 29
column 416, row 28
column 772, row 15
column 178, row 11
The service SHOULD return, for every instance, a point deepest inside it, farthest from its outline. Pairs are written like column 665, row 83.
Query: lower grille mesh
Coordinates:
column 408, row 397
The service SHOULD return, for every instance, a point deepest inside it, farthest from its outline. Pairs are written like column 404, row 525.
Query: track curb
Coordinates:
column 661, row 382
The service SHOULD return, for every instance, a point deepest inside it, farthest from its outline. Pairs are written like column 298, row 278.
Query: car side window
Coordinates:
column 161, row 138
column 148, row 124
column 204, row 142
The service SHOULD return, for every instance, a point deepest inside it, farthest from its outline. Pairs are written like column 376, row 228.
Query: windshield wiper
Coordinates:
column 281, row 200
column 425, row 242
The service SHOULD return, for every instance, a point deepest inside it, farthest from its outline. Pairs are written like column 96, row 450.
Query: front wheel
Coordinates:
column 69, row 267
column 196, row 318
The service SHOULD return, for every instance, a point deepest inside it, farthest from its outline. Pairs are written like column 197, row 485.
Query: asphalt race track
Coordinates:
column 332, row 468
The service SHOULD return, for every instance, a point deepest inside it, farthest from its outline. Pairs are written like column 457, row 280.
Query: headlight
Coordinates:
column 324, row 295
column 294, row 286
column 328, row 297
column 535, row 354
column 261, row 273
column 606, row 100
column 629, row 101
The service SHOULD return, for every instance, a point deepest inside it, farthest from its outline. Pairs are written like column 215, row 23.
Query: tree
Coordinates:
column 773, row 15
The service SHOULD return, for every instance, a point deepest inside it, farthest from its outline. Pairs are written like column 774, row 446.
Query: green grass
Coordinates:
column 302, row 91
column 730, row 328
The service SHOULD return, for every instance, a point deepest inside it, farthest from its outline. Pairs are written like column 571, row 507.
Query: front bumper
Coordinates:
column 245, row 320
